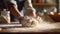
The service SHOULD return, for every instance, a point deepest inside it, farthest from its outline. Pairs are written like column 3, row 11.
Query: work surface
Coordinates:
column 44, row 24
column 43, row 27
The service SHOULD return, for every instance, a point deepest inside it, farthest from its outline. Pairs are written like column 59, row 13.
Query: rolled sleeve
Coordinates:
column 10, row 1
column 28, row 6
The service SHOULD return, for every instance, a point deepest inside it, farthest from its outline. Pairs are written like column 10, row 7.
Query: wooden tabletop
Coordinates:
column 44, row 27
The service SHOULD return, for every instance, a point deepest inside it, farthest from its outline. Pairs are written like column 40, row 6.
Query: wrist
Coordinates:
column 20, row 19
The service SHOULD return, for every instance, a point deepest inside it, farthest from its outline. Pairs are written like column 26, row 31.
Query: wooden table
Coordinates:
column 45, row 28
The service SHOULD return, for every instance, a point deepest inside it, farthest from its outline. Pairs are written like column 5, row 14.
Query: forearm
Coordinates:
column 14, row 11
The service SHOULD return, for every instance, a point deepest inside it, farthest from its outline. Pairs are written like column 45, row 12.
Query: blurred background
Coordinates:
column 48, row 7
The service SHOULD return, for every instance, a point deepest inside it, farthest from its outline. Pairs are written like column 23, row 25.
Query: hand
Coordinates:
column 21, row 19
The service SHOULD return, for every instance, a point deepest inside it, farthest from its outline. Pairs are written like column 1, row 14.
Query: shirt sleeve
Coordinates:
column 28, row 5
column 28, row 8
column 10, row 1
